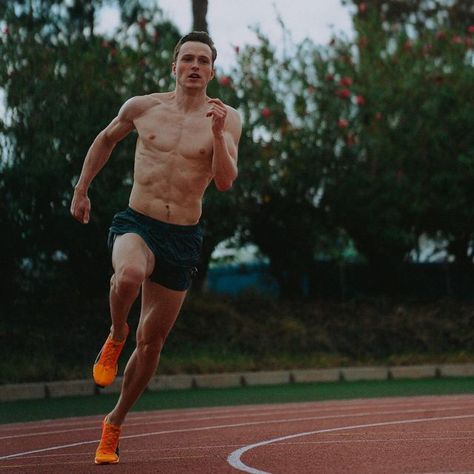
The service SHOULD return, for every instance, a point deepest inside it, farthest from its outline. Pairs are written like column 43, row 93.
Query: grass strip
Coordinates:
column 32, row 410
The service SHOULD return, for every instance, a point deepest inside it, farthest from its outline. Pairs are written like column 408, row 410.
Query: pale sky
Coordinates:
column 229, row 21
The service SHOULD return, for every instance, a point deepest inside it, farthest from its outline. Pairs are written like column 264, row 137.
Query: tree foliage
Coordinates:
column 368, row 140
column 63, row 83
column 365, row 141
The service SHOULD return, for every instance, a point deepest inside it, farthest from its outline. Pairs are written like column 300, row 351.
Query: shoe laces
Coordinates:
column 110, row 353
column 110, row 438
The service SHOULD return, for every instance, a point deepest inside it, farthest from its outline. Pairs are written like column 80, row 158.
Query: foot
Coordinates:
column 108, row 450
column 106, row 363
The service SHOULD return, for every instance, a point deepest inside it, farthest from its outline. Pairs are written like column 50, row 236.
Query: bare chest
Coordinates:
column 164, row 132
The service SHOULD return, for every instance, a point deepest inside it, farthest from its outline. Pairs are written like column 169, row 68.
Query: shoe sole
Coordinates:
column 106, row 462
column 117, row 452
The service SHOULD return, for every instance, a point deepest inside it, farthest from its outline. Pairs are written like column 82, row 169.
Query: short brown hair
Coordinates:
column 201, row 37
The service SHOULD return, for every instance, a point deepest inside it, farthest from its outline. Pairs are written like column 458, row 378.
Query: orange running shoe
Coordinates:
column 106, row 363
column 108, row 450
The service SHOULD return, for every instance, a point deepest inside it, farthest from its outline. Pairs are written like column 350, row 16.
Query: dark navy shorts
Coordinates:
column 177, row 248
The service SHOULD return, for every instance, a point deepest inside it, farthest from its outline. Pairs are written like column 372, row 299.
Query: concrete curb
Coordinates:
column 35, row 391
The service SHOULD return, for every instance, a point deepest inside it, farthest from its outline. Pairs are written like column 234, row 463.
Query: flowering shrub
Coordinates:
column 369, row 140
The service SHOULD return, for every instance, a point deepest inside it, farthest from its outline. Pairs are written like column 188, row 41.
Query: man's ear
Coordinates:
column 173, row 69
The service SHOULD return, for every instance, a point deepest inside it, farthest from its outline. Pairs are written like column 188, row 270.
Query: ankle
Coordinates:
column 119, row 333
column 112, row 419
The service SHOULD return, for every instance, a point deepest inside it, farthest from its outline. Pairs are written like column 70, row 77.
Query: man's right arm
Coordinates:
column 98, row 155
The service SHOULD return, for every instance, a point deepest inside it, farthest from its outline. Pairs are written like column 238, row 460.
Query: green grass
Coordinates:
column 29, row 410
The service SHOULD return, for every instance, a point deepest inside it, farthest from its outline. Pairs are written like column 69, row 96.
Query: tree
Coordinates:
column 358, row 140
column 62, row 84
column 199, row 8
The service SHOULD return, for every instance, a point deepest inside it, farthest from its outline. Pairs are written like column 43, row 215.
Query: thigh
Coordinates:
column 131, row 249
column 160, row 308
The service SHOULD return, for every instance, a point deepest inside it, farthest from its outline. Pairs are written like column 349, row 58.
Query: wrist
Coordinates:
column 80, row 189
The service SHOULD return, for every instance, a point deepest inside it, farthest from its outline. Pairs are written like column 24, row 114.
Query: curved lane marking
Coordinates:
column 234, row 458
column 225, row 426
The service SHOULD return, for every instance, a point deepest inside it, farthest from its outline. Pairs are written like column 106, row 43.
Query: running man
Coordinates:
column 185, row 140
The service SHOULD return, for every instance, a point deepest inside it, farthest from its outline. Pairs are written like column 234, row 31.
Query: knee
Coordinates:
column 127, row 280
column 150, row 350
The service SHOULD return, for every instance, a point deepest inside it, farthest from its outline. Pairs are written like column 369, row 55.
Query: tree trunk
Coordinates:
column 199, row 15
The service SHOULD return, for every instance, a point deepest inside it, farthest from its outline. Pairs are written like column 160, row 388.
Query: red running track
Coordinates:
column 417, row 435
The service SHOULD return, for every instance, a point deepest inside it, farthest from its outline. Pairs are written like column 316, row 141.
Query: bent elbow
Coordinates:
column 223, row 186
column 224, row 182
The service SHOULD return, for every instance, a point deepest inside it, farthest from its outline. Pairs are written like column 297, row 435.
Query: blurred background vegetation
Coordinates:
column 352, row 151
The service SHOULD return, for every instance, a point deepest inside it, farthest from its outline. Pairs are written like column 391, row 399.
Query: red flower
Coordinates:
column 470, row 29
column 408, row 45
column 457, row 39
column 225, row 81
column 346, row 81
column 266, row 112
column 427, row 48
column 441, row 35
column 363, row 42
column 342, row 123
column 343, row 93
column 362, row 7
column 6, row 30
column 360, row 100
column 350, row 139
column 329, row 77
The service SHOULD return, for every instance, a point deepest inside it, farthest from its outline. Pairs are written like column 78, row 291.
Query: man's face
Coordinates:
column 193, row 67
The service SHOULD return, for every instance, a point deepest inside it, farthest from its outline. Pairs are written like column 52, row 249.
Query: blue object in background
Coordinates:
column 236, row 278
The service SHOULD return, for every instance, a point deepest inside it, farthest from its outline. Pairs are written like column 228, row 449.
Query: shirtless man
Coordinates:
column 185, row 140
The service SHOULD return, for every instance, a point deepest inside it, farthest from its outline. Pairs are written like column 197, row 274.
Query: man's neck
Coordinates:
column 189, row 100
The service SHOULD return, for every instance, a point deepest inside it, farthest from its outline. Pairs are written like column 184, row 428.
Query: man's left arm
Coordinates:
column 226, row 129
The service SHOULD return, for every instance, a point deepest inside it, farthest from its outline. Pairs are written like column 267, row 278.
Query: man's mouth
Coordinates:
column 194, row 76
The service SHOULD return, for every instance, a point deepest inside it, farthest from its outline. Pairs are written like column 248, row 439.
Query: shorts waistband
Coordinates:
column 184, row 229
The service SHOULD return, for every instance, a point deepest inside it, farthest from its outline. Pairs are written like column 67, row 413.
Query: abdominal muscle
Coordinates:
column 169, row 187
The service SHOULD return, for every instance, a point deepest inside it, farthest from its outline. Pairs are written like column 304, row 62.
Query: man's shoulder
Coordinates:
column 232, row 111
column 136, row 106
column 233, row 116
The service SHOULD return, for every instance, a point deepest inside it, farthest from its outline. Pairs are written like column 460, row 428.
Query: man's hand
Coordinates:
column 81, row 207
column 218, row 113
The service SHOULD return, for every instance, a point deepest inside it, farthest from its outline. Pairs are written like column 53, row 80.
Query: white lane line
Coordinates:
column 227, row 426
column 325, row 405
column 264, row 409
column 234, row 458
column 92, row 424
column 96, row 426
